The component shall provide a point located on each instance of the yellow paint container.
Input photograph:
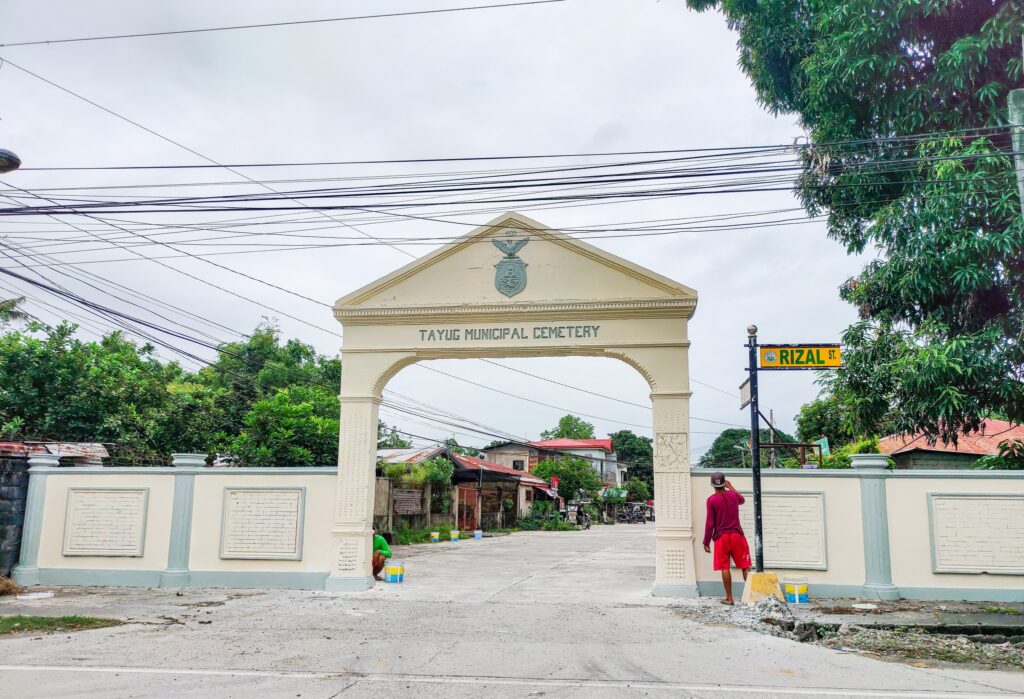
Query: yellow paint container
(394, 572)
(795, 590)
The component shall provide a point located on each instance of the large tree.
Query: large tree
(264, 401)
(570, 427)
(637, 452)
(903, 103)
(576, 477)
(731, 449)
(823, 417)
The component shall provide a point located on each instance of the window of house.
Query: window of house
(518, 464)
(529, 495)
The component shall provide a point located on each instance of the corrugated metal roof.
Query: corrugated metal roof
(474, 464)
(408, 455)
(605, 444)
(88, 450)
(981, 443)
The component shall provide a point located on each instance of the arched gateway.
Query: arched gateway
(514, 288)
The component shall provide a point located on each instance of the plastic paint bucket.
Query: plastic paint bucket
(435, 537)
(394, 571)
(795, 590)
(478, 534)
(453, 535)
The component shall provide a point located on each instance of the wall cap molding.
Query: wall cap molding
(857, 473)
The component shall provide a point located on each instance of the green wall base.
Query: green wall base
(663, 590)
(714, 588)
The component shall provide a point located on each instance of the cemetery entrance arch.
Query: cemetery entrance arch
(515, 288)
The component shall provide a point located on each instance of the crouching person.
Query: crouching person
(381, 553)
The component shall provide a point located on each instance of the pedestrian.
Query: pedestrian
(723, 527)
(381, 553)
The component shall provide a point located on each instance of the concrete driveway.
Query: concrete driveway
(529, 615)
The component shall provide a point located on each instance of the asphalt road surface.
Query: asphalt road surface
(565, 614)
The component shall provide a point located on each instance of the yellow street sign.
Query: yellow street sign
(799, 356)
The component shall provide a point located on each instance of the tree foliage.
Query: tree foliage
(570, 427)
(636, 451)
(389, 438)
(823, 417)
(731, 449)
(938, 346)
(637, 490)
(576, 478)
(264, 401)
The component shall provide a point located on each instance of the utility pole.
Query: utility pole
(755, 449)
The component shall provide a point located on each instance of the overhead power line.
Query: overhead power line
(267, 25)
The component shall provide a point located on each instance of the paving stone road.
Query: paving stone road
(564, 614)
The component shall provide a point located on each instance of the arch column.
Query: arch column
(675, 572)
(362, 378)
(666, 368)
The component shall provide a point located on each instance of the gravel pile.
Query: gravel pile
(919, 645)
(773, 617)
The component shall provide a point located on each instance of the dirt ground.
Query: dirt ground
(924, 634)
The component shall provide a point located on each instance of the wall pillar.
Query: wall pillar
(177, 573)
(873, 470)
(27, 570)
(675, 572)
(351, 564)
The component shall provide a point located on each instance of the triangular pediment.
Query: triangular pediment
(550, 268)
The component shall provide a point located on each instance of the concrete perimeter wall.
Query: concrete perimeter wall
(861, 532)
(883, 534)
(186, 526)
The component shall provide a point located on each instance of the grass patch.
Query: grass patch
(1003, 610)
(18, 624)
(404, 536)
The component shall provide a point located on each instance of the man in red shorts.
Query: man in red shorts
(723, 526)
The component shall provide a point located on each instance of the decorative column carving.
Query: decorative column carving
(675, 571)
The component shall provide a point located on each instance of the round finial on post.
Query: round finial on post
(751, 330)
(9, 162)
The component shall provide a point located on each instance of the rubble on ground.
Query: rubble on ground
(834, 624)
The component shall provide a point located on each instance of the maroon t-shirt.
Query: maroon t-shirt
(723, 515)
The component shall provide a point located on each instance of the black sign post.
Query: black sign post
(755, 449)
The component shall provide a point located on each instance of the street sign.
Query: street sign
(776, 357)
(823, 443)
(745, 394)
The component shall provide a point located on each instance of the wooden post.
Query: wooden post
(391, 506)
(427, 500)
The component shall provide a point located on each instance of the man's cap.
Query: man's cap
(717, 479)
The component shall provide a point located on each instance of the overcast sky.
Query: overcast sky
(579, 76)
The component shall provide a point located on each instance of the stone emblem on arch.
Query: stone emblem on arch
(510, 272)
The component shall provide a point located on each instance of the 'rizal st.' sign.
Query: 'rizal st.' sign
(809, 356)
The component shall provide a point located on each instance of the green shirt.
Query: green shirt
(381, 544)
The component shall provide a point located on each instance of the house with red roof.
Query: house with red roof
(485, 495)
(914, 451)
(524, 456)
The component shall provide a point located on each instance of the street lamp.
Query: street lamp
(8, 161)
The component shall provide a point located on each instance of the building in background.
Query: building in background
(915, 451)
(524, 456)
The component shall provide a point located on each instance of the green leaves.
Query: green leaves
(576, 478)
(570, 427)
(941, 342)
(270, 404)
